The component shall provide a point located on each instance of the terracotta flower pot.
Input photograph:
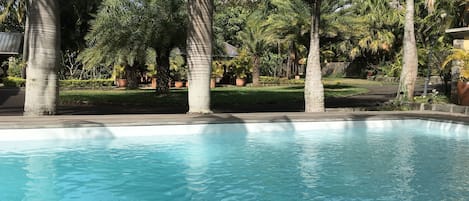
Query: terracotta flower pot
(463, 93)
(178, 84)
(213, 83)
(121, 83)
(153, 83)
(240, 82)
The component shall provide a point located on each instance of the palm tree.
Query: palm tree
(199, 54)
(314, 89)
(255, 39)
(410, 60)
(291, 23)
(156, 25)
(44, 47)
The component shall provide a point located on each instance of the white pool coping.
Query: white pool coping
(109, 127)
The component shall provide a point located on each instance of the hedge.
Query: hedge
(279, 81)
(86, 84)
(14, 82)
(68, 84)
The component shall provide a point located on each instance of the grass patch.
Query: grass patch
(351, 82)
(224, 98)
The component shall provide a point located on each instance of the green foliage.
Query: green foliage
(229, 19)
(434, 99)
(86, 84)
(218, 68)
(15, 67)
(14, 82)
(119, 71)
(124, 31)
(241, 66)
(178, 68)
(12, 15)
(267, 80)
(65, 84)
(460, 56)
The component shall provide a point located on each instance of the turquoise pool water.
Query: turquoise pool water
(358, 161)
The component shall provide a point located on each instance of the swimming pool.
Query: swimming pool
(337, 160)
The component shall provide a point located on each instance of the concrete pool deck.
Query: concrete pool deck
(20, 122)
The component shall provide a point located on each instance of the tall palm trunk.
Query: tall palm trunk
(314, 90)
(162, 69)
(44, 47)
(256, 72)
(410, 60)
(199, 54)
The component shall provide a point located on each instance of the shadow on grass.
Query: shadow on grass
(231, 99)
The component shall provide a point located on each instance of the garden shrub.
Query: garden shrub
(86, 84)
(66, 84)
(15, 67)
(14, 82)
(280, 81)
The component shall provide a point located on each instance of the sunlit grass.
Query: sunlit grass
(221, 97)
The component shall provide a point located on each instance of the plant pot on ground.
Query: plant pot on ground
(240, 82)
(178, 84)
(120, 76)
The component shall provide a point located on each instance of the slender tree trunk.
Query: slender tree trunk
(255, 70)
(314, 90)
(44, 48)
(289, 63)
(25, 41)
(162, 69)
(410, 60)
(199, 54)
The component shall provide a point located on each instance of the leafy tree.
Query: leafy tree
(256, 38)
(291, 23)
(12, 15)
(124, 31)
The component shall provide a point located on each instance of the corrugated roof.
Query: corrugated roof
(10, 43)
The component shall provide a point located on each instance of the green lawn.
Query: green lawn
(224, 98)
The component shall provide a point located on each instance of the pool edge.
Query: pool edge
(19, 122)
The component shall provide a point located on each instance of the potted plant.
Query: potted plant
(178, 72)
(120, 76)
(218, 69)
(241, 66)
(151, 73)
(460, 58)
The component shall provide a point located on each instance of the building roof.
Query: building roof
(10, 43)
(458, 33)
(230, 50)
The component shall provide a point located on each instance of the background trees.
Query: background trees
(125, 31)
(274, 33)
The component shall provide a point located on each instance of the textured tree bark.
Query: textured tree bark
(314, 89)
(255, 70)
(199, 54)
(410, 60)
(131, 75)
(162, 72)
(44, 47)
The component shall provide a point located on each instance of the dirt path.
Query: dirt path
(376, 96)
